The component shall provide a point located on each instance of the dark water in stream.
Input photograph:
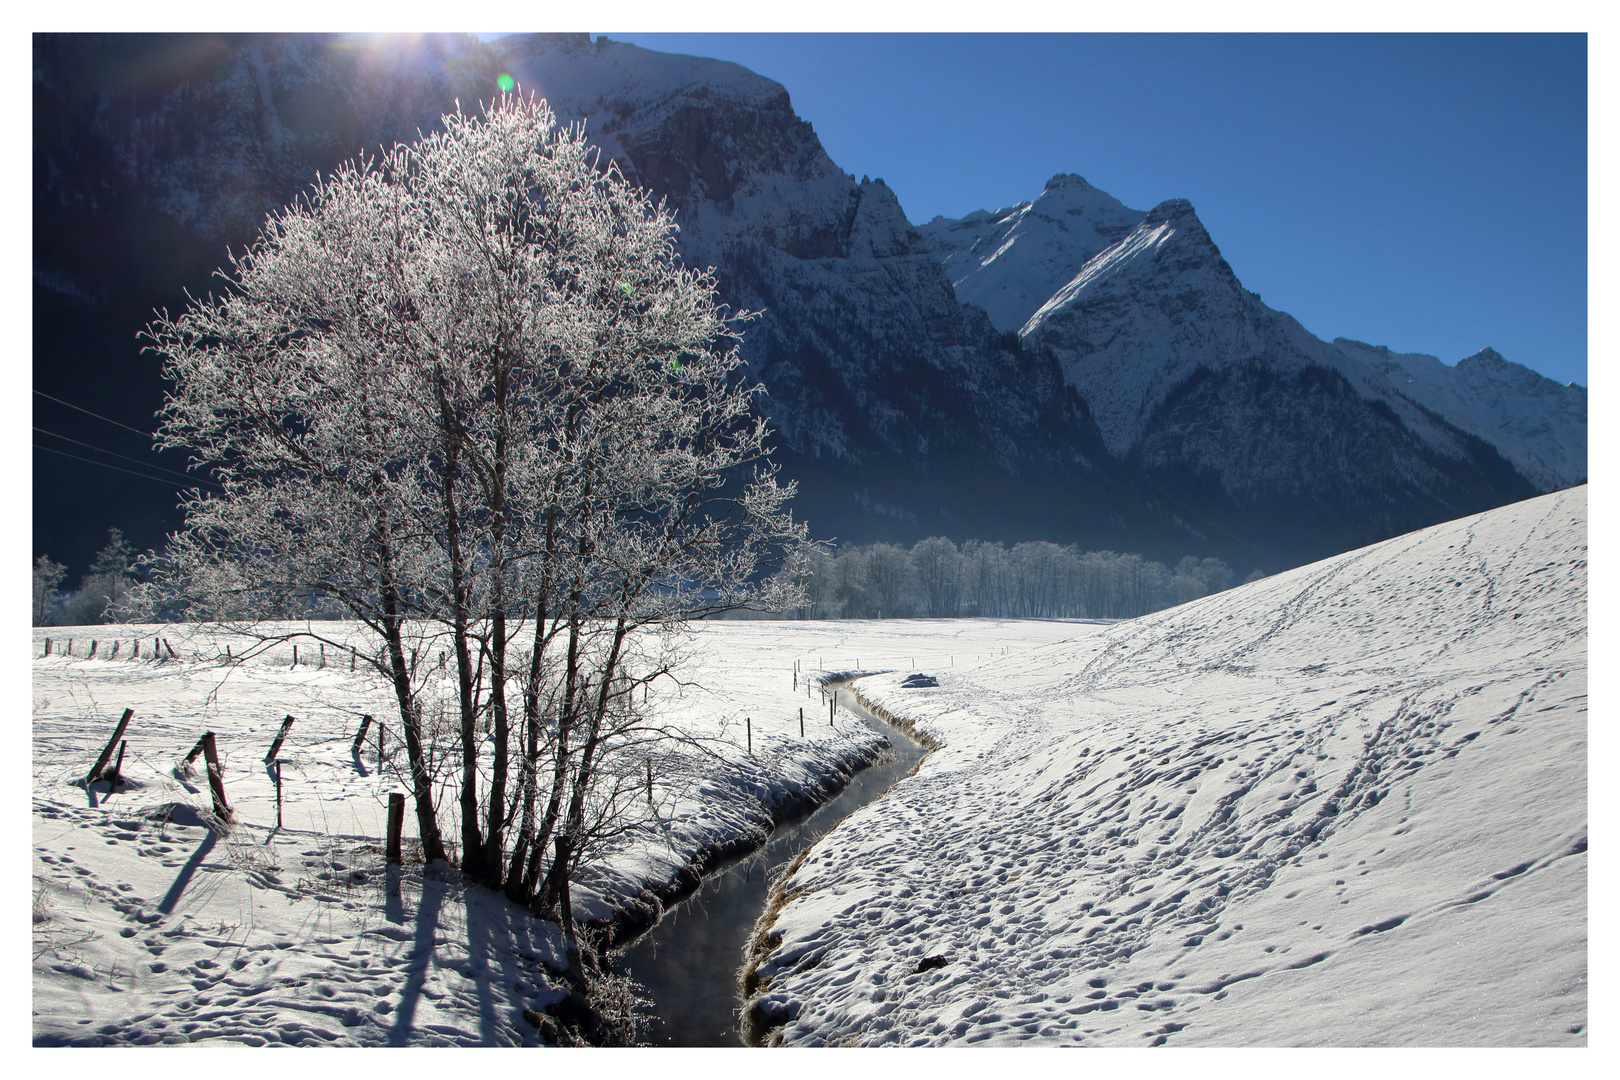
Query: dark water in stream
(689, 961)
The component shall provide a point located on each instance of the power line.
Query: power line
(104, 465)
(125, 457)
(98, 416)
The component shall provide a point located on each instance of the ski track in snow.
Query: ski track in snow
(151, 928)
(1345, 805)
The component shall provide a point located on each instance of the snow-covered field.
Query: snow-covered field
(1345, 805)
(149, 927)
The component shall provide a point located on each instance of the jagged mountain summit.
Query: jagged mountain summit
(1007, 261)
(1142, 317)
(903, 405)
(1538, 424)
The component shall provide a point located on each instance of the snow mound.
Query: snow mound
(1344, 805)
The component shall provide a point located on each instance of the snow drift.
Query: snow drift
(1345, 805)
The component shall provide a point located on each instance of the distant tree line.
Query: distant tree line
(933, 579)
(1041, 580)
(101, 590)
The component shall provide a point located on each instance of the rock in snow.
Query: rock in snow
(1345, 805)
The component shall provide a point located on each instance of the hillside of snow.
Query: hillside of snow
(1343, 805)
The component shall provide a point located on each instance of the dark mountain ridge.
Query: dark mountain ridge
(902, 411)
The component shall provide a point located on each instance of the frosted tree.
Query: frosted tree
(468, 392)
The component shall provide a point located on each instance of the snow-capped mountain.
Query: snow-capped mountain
(1008, 261)
(1538, 424)
(904, 408)
(1137, 319)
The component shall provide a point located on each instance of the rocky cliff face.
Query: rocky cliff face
(903, 409)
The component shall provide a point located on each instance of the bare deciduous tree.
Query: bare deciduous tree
(468, 392)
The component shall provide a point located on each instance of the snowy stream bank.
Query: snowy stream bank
(689, 961)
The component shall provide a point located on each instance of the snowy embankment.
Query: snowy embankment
(1345, 805)
(150, 926)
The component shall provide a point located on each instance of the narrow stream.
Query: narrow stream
(689, 961)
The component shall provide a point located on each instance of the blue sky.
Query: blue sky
(1425, 192)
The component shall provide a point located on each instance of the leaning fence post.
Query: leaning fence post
(396, 825)
(275, 747)
(216, 777)
(118, 766)
(360, 736)
(106, 753)
(195, 750)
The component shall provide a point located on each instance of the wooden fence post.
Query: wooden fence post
(93, 644)
(749, 720)
(47, 646)
(216, 777)
(352, 655)
(380, 731)
(118, 766)
(114, 655)
(281, 736)
(106, 753)
(278, 793)
(396, 825)
(170, 646)
(830, 706)
(801, 721)
(360, 736)
(195, 750)
(323, 654)
(295, 656)
(136, 645)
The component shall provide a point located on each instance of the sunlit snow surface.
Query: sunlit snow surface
(148, 928)
(1345, 805)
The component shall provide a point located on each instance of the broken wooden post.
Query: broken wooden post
(396, 825)
(281, 736)
(278, 792)
(360, 736)
(106, 753)
(216, 777)
(195, 750)
(118, 766)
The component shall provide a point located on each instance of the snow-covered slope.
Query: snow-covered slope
(1010, 261)
(1345, 805)
(1538, 424)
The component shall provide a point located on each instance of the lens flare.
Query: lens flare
(505, 82)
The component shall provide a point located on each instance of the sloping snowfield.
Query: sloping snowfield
(152, 927)
(1345, 805)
